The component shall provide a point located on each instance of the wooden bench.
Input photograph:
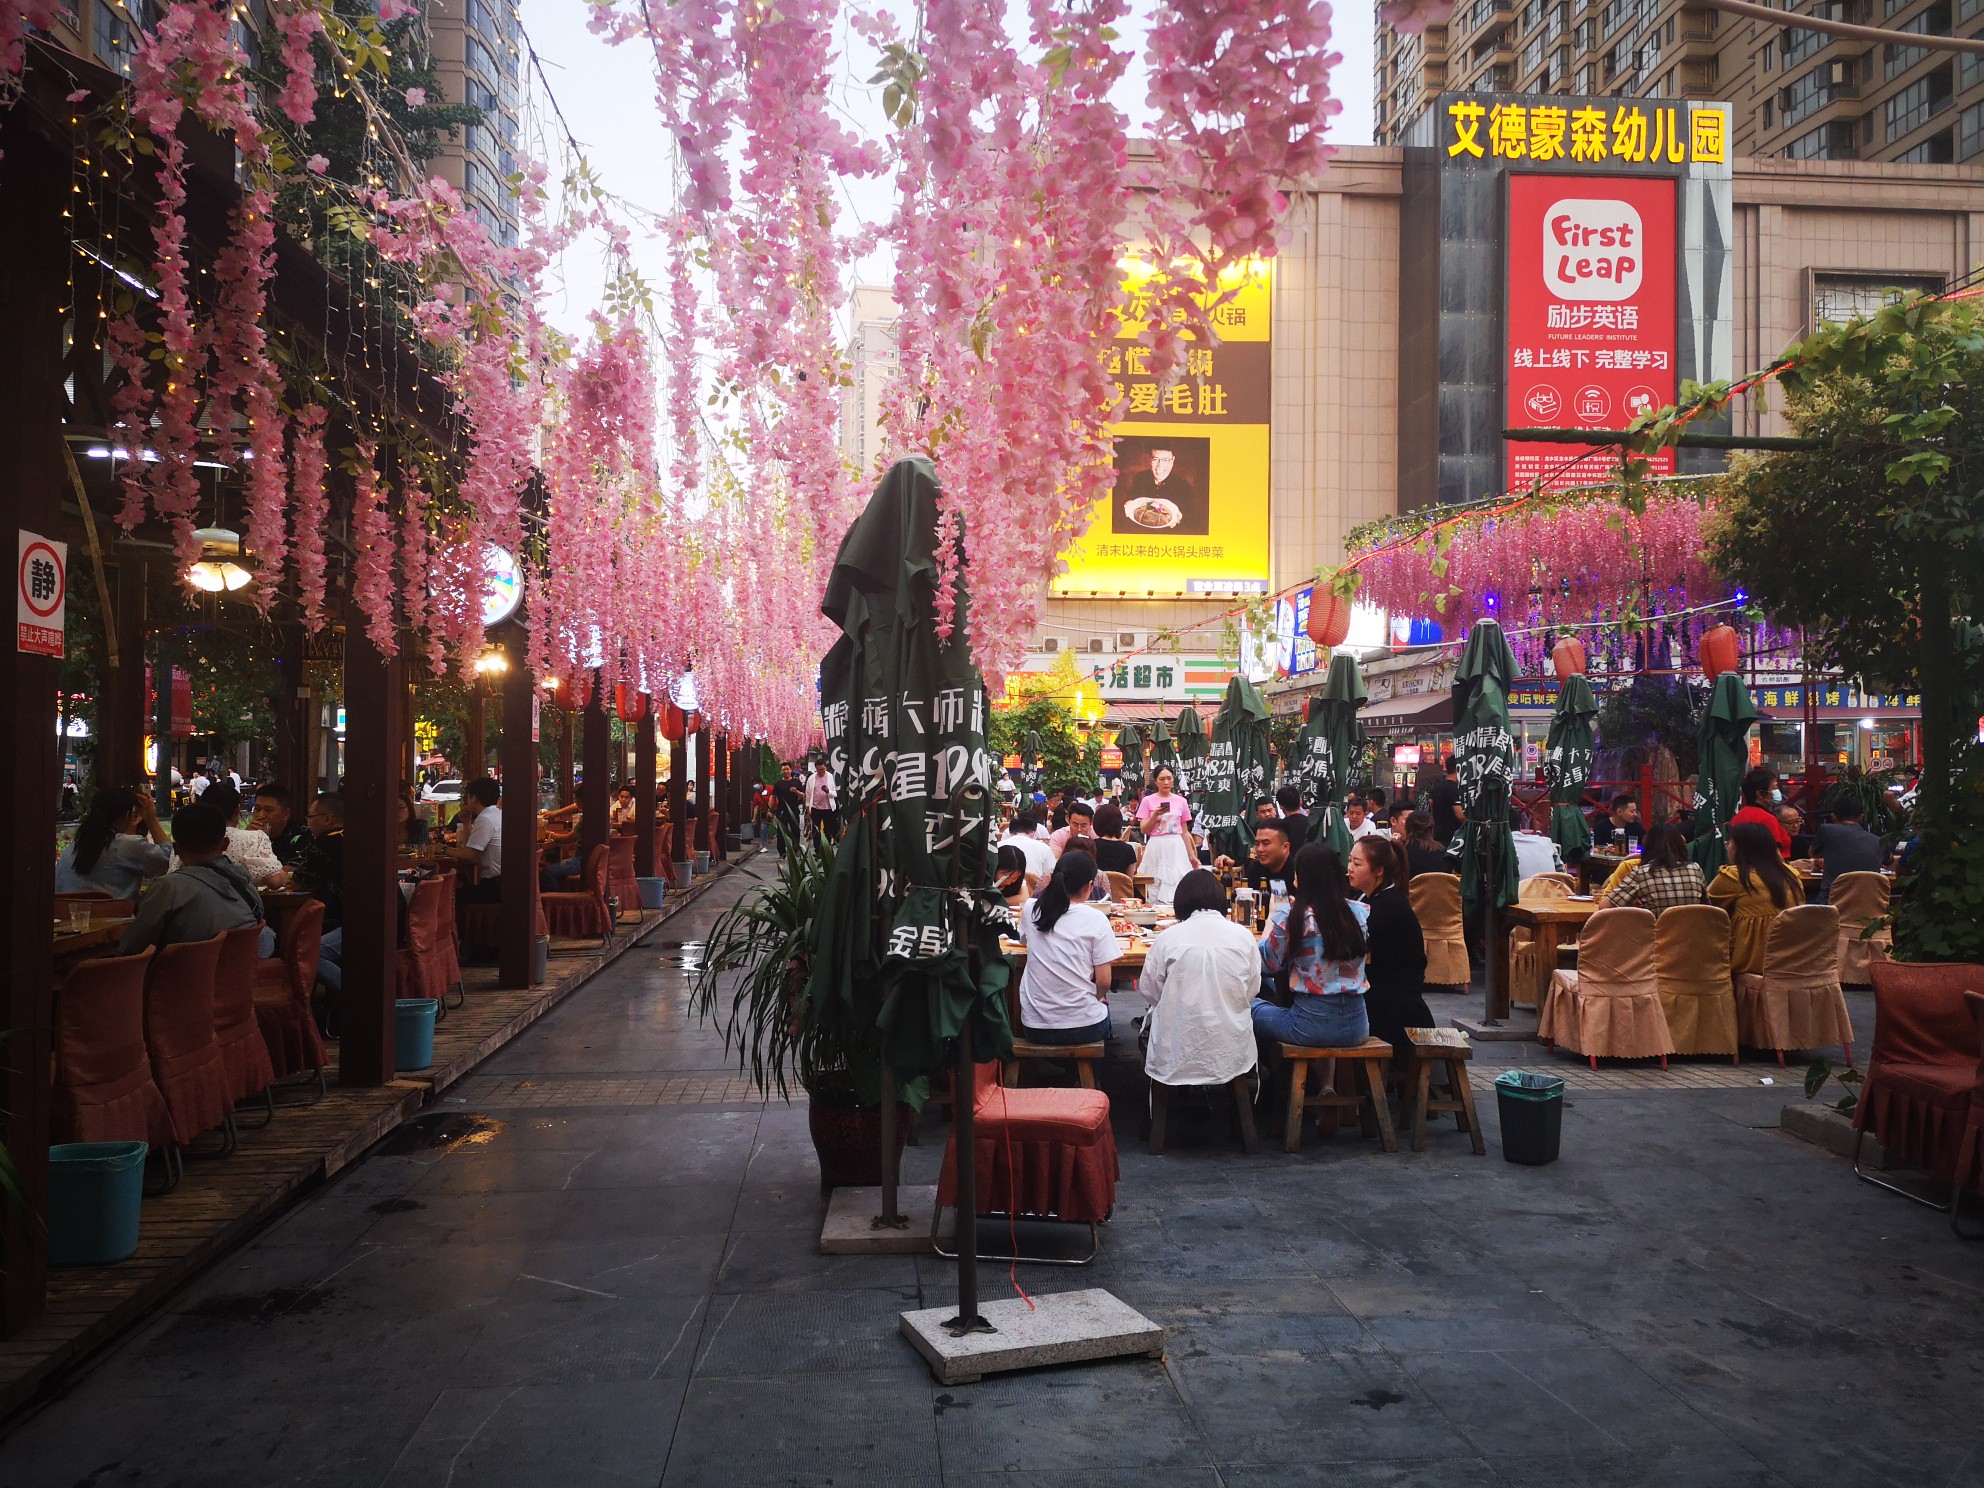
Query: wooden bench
(1449, 1048)
(1374, 1114)
(1243, 1105)
(1085, 1057)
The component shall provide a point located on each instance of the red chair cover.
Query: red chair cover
(584, 912)
(236, 1028)
(1970, 1153)
(451, 961)
(482, 924)
(1920, 1099)
(104, 1090)
(179, 1036)
(283, 986)
(1041, 1153)
(423, 969)
(620, 873)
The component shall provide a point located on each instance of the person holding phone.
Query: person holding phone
(1170, 852)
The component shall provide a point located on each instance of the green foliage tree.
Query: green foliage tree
(1652, 712)
(1873, 539)
(1044, 703)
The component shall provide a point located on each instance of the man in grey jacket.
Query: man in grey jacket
(208, 894)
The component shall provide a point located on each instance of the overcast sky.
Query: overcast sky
(606, 95)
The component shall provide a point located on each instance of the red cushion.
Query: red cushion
(1076, 1117)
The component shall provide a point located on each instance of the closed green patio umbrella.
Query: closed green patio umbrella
(1723, 741)
(1567, 765)
(1163, 751)
(1032, 772)
(1131, 741)
(1485, 758)
(1192, 745)
(1326, 750)
(1236, 768)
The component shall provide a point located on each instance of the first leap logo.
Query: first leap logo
(1593, 250)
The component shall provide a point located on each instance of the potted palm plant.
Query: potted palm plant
(752, 985)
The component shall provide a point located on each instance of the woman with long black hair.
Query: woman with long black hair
(1070, 950)
(118, 846)
(1315, 950)
(1395, 970)
(1753, 886)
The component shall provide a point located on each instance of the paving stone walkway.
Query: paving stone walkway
(599, 1266)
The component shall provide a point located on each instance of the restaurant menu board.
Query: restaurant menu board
(1187, 512)
(1591, 316)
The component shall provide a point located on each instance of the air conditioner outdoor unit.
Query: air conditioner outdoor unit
(1050, 644)
(1129, 640)
(1097, 645)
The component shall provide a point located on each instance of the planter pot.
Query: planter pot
(848, 1141)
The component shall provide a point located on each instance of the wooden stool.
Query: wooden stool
(1374, 1114)
(1243, 1105)
(1085, 1057)
(1449, 1048)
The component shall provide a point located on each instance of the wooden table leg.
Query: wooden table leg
(1298, 1080)
(1243, 1103)
(1422, 1079)
(1374, 1077)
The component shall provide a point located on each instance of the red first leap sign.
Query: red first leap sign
(41, 594)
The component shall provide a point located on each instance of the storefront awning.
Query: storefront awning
(1428, 713)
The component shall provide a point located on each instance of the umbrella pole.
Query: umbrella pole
(962, 1091)
(1497, 1003)
(889, 1218)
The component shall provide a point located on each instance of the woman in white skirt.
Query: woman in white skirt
(1170, 852)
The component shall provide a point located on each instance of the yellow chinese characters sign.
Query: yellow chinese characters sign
(1587, 133)
(1187, 513)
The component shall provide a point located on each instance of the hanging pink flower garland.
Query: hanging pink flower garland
(372, 536)
(309, 512)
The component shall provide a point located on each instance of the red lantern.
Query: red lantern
(635, 708)
(1718, 652)
(1567, 658)
(671, 723)
(622, 695)
(1329, 618)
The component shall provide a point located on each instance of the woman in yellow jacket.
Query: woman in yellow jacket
(1753, 888)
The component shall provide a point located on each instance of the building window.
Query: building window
(480, 57)
(1914, 105)
(1767, 114)
(1937, 149)
(1970, 131)
(1585, 80)
(1795, 44)
(1935, 21)
(1840, 297)
(1830, 141)
(1824, 84)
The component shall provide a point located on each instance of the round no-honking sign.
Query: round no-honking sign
(41, 595)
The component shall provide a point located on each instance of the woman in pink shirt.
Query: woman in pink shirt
(1169, 851)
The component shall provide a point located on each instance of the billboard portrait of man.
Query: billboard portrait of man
(1161, 483)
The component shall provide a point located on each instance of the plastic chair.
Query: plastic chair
(584, 912)
(1691, 971)
(1919, 1100)
(283, 986)
(1039, 1154)
(104, 1090)
(1436, 901)
(179, 1037)
(1860, 898)
(1796, 1002)
(249, 1070)
(620, 881)
(1609, 1008)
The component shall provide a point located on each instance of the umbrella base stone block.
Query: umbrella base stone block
(1064, 1328)
(1518, 1027)
(850, 1228)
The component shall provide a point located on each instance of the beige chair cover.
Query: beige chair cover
(1860, 899)
(1121, 889)
(1609, 1008)
(1691, 969)
(1795, 1002)
(1436, 901)
(1546, 886)
(1529, 978)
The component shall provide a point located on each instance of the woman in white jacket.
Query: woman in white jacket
(1200, 978)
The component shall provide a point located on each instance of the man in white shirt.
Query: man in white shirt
(481, 843)
(197, 786)
(1023, 834)
(1358, 819)
(820, 801)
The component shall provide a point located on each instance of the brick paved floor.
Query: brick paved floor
(601, 1268)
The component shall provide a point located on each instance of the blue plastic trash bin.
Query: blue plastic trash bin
(413, 1042)
(94, 1193)
(651, 891)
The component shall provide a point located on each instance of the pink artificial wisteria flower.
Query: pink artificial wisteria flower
(317, 165)
(415, 97)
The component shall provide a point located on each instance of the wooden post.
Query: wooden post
(410, 754)
(162, 739)
(644, 812)
(596, 793)
(120, 750)
(516, 942)
(34, 190)
(566, 792)
(722, 820)
(477, 726)
(703, 790)
(291, 724)
(678, 807)
(374, 694)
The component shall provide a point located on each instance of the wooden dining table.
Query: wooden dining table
(1131, 959)
(70, 944)
(1547, 920)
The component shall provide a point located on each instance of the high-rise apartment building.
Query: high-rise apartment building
(1800, 94)
(477, 48)
(873, 362)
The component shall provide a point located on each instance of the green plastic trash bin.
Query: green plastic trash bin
(1532, 1111)
(413, 1033)
(94, 1193)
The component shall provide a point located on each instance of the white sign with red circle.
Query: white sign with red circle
(41, 594)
